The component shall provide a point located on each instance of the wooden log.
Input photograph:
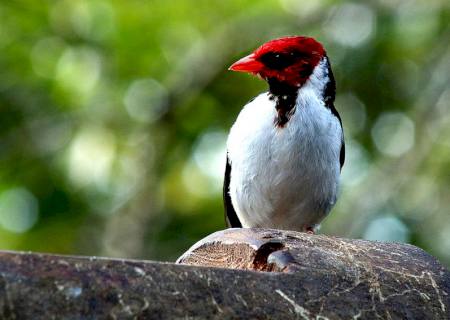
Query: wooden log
(337, 278)
(318, 278)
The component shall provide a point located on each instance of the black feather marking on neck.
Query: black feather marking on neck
(329, 94)
(285, 97)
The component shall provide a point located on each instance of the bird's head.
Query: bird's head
(287, 60)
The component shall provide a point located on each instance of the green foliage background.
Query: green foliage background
(114, 116)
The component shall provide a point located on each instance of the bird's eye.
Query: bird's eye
(277, 60)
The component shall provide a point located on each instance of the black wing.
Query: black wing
(329, 95)
(342, 155)
(231, 217)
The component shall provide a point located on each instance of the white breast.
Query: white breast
(288, 177)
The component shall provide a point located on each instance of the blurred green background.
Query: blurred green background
(114, 117)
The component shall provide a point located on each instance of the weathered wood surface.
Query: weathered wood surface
(336, 278)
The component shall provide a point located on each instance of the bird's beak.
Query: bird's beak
(247, 64)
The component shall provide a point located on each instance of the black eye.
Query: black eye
(277, 60)
(282, 60)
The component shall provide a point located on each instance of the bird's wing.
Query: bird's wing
(329, 95)
(342, 154)
(231, 217)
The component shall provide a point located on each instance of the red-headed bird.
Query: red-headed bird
(286, 149)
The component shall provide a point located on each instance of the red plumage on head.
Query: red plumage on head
(286, 44)
(288, 59)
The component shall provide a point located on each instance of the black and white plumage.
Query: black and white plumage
(286, 148)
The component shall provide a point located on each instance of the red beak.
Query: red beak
(247, 64)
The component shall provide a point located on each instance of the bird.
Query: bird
(286, 149)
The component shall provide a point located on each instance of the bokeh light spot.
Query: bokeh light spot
(91, 154)
(302, 8)
(210, 153)
(415, 22)
(393, 133)
(146, 100)
(78, 70)
(94, 19)
(387, 228)
(203, 175)
(18, 210)
(45, 54)
(350, 24)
